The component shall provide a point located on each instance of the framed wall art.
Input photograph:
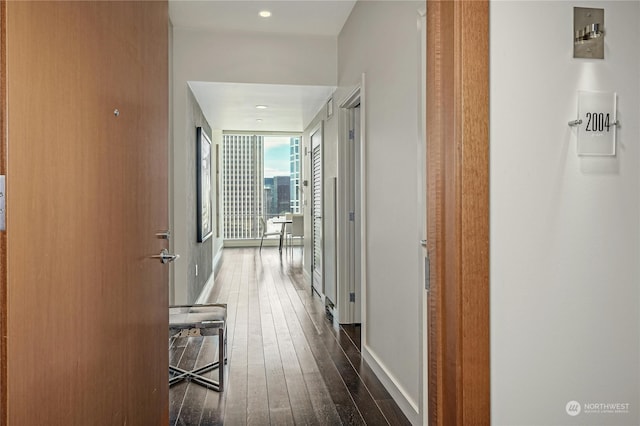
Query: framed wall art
(203, 179)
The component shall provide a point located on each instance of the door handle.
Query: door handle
(165, 257)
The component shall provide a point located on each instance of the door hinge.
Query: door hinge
(352, 297)
(427, 273)
(352, 216)
(351, 135)
(3, 204)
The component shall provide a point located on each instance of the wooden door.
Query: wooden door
(458, 211)
(86, 308)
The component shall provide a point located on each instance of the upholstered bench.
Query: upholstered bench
(200, 320)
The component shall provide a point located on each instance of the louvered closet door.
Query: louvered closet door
(316, 178)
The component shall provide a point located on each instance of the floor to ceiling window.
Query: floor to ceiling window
(261, 179)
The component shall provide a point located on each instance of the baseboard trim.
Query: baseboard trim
(217, 262)
(399, 395)
(208, 286)
(307, 276)
(268, 242)
(206, 291)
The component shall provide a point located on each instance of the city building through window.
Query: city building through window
(261, 179)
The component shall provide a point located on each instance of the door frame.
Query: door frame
(458, 211)
(347, 312)
(422, 211)
(3, 234)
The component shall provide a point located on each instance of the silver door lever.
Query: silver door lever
(165, 257)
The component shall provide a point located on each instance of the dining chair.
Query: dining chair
(287, 229)
(297, 228)
(265, 233)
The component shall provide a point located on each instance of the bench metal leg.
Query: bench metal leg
(222, 350)
(195, 375)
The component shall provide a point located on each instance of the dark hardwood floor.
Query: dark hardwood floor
(287, 364)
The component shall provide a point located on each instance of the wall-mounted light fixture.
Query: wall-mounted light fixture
(588, 33)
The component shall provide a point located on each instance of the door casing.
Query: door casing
(3, 235)
(458, 211)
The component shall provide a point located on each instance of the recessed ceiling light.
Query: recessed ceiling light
(261, 106)
(265, 13)
(259, 120)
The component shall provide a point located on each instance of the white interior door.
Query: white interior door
(316, 208)
(355, 231)
(351, 256)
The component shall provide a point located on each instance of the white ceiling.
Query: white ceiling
(311, 17)
(231, 106)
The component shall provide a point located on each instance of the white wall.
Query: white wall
(170, 192)
(233, 58)
(564, 230)
(381, 40)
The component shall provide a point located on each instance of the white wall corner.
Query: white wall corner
(401, 397)
(179, 201)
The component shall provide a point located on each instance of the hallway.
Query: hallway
(287, 364)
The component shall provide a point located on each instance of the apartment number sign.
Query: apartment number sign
(596, 123)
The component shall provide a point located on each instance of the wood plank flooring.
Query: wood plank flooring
(287, 364)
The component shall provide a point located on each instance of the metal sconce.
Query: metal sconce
(587, 33)
(588, 38)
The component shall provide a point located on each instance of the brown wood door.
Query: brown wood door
(86, 309)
